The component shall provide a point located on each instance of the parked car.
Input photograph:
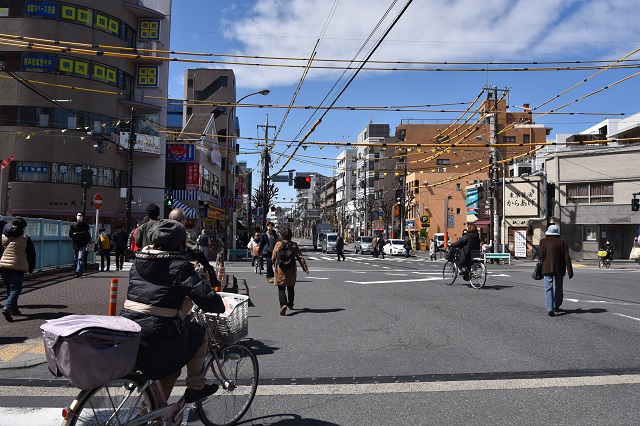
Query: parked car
(363, 244)
(328, 244)
(394, 247)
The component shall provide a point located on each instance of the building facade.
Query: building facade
(81, 117)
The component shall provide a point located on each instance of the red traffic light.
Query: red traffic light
(302, 182)
(307, 179)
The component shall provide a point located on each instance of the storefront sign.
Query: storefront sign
(181, 153)
(520, 243)
(193, 176)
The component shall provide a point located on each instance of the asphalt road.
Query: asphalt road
(384, 341)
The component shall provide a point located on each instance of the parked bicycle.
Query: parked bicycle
(136, 400)
(476, 274)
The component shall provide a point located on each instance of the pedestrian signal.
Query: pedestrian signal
(635, 204)
(168, 199)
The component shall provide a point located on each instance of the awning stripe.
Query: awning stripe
(190, 212)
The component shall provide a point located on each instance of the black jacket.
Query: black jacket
(119, 240)
(164, 279)
(468, 242)
(79, 234)
(265, 246)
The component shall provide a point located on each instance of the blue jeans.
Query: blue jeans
(80, 256)
(553, 299)
(13, 281)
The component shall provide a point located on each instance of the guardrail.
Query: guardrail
(51, 240)
(497, 256)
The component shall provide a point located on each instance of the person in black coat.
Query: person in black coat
(80, 237)
(119, 239)
(267, 243)
(159, 281)
(340, 247)
(469, 242)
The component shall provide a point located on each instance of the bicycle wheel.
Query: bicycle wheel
(449, 273)
(599, 262)
(477, 275)
(230, 403)
(607, 263)
(111, 404)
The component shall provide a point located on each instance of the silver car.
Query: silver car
(363, 244)
(329, 243)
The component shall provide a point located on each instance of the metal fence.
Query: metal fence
(52, 242)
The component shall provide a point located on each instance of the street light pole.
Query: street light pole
(231, 194)
(494, 183)
(132, 142)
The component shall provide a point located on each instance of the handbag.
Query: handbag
(537, 271)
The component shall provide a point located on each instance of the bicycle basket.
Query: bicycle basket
(232, 325)
(602, 253)
(451, 254)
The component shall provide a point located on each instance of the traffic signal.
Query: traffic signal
(168, 198)
(635, 204)
(302, 182)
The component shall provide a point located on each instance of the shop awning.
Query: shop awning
(190, 212)
(483, 223)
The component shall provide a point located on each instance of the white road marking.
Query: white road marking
(602, 302)
(452, 386)
(626, 316)
(391, 273)
(318, 278)
(394, 281)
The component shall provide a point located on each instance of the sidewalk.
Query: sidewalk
(49, 296)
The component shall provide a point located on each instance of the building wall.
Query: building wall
(73, 146)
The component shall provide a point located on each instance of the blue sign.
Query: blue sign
(41, 8)
(410, 224)
(42, 62)
(472, 201)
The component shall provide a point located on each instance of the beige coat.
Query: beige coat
(287, 277)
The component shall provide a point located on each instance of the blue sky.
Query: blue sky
(483, 33)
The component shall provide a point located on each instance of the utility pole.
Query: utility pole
(265, 173)
(493, 131)
(132, 142)
(403, 205)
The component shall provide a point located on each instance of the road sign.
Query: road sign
(280, 178)
(425, 219)
(97, 201)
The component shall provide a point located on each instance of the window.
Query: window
(526, 138)
(590, 193)
(442, 169)
(508, 139)
(443, 161)
(591, 233)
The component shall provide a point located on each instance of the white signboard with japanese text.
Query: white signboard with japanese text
(520, 243)
(522, 199)
(144, 143)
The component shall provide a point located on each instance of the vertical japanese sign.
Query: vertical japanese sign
(520, 243)
(193, 176)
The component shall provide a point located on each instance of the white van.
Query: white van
(328, 244)
(439, 237)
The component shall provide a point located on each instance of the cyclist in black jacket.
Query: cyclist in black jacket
(466, 244)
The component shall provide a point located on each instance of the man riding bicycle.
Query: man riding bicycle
(466, 244)
(160, 280)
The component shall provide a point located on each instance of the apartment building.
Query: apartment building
(65, 111)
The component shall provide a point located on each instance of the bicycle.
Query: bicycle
(136, 400)
(258, 264)
(604, 259)
(476, 275)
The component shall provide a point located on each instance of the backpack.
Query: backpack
(286, 259)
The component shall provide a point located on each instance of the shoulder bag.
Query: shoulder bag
(537, 271)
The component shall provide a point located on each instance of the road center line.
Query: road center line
(451, 386)
(394, 281)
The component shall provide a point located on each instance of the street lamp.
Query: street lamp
(494, 165)
(228, 222)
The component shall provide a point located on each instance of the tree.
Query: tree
(256, 199)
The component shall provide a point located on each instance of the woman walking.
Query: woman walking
(104, 245)
(18, 257)
(285, 254)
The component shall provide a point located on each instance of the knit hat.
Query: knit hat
(552, 230)
(168, 234)
(19, 223)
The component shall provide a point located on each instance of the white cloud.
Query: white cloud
(430, 30)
